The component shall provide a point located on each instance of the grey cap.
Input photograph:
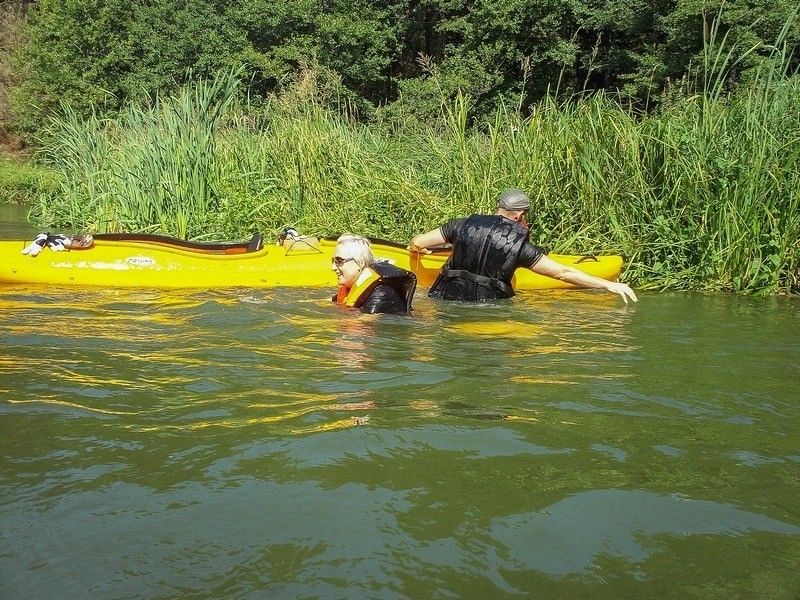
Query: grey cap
(513, 199)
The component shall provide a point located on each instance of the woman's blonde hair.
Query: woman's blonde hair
(356, 247)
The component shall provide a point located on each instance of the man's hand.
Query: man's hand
(623, 289)
(417, 249)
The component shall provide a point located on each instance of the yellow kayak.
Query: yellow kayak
(147, 261)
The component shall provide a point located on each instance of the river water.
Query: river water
(13, 222)
(266, 444)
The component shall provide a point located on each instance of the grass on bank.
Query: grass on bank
(24, 181)
(703, 195)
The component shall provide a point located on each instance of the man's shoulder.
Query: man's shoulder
(459, 220)
(493, 221)
(478, 219)
(450, 229)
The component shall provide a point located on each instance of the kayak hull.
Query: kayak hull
(302, 263)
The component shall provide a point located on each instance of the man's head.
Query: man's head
(514, 204)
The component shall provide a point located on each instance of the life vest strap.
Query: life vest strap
(358, 293)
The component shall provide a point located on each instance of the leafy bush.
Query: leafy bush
(96, 55)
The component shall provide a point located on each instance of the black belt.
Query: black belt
(480, 280)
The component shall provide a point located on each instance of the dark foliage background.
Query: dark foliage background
(384, 57)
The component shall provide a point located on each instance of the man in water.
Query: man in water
(487, 249)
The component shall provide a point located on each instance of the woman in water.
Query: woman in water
(369, 285)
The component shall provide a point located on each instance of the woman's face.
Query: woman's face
(345, 267)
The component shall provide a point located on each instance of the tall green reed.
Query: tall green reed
(152, 168)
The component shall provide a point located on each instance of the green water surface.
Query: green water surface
(266, 444)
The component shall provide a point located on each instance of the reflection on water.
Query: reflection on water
(618, 523)
(267, 443)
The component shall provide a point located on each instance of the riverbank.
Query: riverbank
(704, 195)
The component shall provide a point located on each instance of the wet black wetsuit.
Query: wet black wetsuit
(487, 249)
(384, 299)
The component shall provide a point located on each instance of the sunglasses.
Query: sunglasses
(339, 261)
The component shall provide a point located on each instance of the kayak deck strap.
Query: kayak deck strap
(255, 244)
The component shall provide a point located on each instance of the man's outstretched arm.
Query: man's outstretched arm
(547, 266)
